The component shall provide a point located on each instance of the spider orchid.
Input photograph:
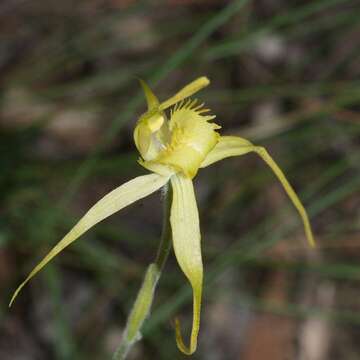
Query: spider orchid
(174, 150)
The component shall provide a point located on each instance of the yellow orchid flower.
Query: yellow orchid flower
(173, 150)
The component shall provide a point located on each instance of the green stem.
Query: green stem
(165, 242)
(142, 305)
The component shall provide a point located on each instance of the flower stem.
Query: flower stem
(142, 305)
(165, 242)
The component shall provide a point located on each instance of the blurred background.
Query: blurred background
(285, 75)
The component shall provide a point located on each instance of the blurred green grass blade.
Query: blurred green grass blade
(302, 312)
(65, 348)
(256, 243)
(324, 202)
(117, 79)
(72, 48)
(328, 270)
(200, 36)
(108, 167)
(295, 90)
(338, 22)
(232, 47)
(104, 81)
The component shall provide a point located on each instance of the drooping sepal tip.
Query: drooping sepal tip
(188, 350)
(184, 221)
(180, 342)
(228, 146)
(310, 236)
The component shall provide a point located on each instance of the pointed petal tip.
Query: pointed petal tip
(111, 203)
(228, 146)
(311, 240)
(187, 91)
(151, 99)
(14, 296)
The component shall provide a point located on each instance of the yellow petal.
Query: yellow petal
(151, 99)
(184, 221)
(117, 199)
(234, 146)
(227, 146)
(186, 92)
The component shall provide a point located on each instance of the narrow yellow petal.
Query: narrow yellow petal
(151, 99)
(186, 92)
(184, 221)
(227, 146)
(116, 200)
(234, 146)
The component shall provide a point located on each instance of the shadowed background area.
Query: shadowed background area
(284, 74)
